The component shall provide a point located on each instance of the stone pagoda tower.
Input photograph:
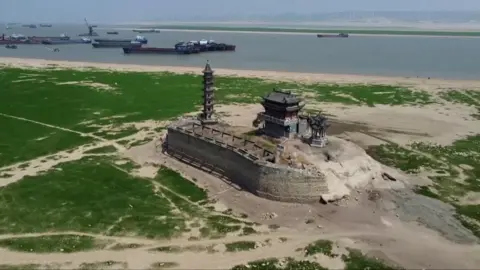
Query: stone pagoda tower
(206, 117)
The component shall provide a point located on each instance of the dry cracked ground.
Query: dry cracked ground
(117, 202)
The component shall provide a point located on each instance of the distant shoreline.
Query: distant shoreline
(298, 31)
(433, 83)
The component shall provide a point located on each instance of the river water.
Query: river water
(436, 57)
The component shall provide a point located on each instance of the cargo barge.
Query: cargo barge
(60, 37)
(128, 44)
(119, 43)
(191, 47)
(180, 49)
(17, 39)
(210, 45)
(341, 35)
(65, 42)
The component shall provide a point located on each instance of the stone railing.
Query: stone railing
(249, 148)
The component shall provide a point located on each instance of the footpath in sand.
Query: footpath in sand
(399, 227)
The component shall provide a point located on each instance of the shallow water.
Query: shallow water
(441, 57)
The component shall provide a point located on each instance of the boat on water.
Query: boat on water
(112, 33)
(45, 25)
(82, 40)
(30, 25)
(140, 39)
(17, 39)
(210, 45)
(119, 43)
(191, 47)
(60, 37)
(340, 35)
(153, 50)
(146, 30)
(11, 46)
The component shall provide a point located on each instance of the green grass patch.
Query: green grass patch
(243, 90)
(137, 97)
(406, 160)
(21, 140)
(467, 97)
(356, 260)
(324, 31)
(20, 266)
(89, 195)
(175, 182)
(102, 150)
(320, 246)
(469, 215)
(248, 230)
(274, 264)
(240, 246)
(53, 243)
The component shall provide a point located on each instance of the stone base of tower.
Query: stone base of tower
(210, 121)
(319, 142)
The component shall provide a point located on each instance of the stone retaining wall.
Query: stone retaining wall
(257, 175)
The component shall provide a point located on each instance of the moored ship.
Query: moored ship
(119, 43)
(128, 44)
(60, 37)
(29, 25)
(211, 46)
(17, 39)
(83, 40)
(340, 35)
(191, 47)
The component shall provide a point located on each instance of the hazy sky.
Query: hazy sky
(146, 10)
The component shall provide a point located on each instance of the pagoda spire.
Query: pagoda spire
(206, 117)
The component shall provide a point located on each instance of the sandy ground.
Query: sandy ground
(395, 225)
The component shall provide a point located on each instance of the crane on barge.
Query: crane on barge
(90, 33)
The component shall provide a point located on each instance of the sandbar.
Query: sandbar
(415, 82)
